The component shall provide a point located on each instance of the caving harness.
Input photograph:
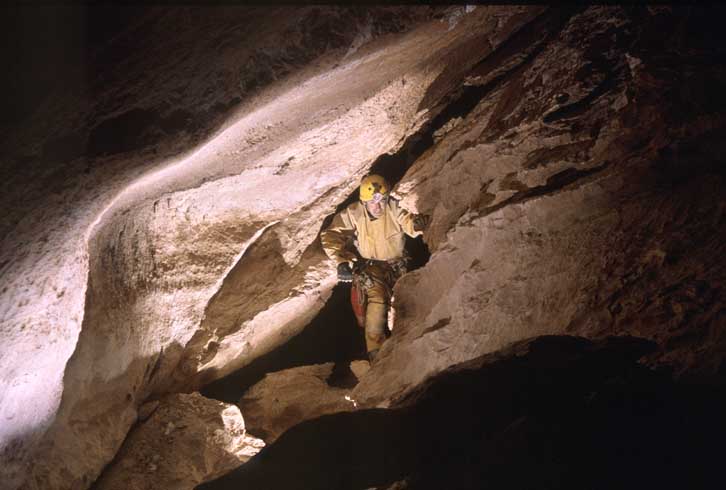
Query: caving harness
(363, 280)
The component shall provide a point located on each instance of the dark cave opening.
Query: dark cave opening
(333, 335)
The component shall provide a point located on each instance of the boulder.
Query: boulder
(187, 440)
(286, 398)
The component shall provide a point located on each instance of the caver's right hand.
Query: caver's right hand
(421, 222)
(345, 274)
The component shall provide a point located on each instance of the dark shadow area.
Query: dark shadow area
(394, 166)
(50, 45)
(418, 251)
(333, 336)
(547, 413)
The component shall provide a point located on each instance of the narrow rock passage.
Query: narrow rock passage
(157, 247)
(571, 160)
(332, 336)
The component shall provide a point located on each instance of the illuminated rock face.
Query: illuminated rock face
(162, 222)
(286, 398)
(187, 439)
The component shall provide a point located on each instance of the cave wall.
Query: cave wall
(162, 218)
(580, 193)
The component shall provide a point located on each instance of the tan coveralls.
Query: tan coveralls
(382, 241)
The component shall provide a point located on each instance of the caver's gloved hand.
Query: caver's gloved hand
(345, 274)
(421, 222)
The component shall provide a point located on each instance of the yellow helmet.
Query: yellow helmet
(373, 184)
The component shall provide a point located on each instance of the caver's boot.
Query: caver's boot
(375, 328)
(372, 355)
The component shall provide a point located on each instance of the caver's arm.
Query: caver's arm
(336, 237)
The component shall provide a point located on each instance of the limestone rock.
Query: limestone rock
(286, 398)
(188, 439)
(160, 226)
(159, 223)
(595, 213)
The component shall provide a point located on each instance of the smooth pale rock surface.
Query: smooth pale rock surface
(160, 225)
(162, 221)
(187, 440)
(286, 398)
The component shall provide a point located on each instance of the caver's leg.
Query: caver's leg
(376, 328)
(378, 293)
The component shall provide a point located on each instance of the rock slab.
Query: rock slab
(286, 398)
(188, 439)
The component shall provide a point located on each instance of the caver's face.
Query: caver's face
(376, 205)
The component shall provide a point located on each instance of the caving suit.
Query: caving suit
(380, 242)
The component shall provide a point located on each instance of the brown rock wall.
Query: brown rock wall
(127, 251)
(580, 195)
(286, 398)
(186, 440)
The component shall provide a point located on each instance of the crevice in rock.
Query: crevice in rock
(342, 376)
(332, 336)
(393, 167)
(579, 107)
(556, 183)
(571, 152)
(511, 57)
